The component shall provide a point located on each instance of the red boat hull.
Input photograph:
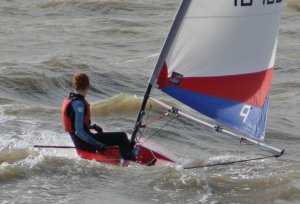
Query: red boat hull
(147, 154)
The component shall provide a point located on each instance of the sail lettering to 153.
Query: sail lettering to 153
(250, 2)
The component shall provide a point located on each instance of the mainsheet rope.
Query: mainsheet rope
(230, 163)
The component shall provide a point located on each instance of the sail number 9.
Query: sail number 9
(245, 112)
(250, 2)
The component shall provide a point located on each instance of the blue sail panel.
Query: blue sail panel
(244, 118)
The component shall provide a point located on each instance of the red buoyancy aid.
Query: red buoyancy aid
(65, 113)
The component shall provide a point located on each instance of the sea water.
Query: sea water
(43, 42)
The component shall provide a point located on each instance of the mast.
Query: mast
(159, 64)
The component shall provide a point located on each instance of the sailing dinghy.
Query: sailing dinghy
(218, 58)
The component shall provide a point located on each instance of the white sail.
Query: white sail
(221, 61)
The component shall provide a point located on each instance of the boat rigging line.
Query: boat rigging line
(232, 162)
(157, 131)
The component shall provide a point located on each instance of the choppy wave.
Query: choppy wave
(120, 104)
(31, 83)
(167, 178)
(12, 8)
(237, 182)
(293, 4)
(13, 155)
(94, 5)
(8, 157)
(91, 5)
(172, 184)
(20, 163)
(44, 81)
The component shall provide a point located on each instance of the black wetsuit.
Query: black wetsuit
(83, 138)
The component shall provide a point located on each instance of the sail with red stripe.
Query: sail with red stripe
(221, 61)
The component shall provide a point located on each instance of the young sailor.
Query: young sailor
(76, 118)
